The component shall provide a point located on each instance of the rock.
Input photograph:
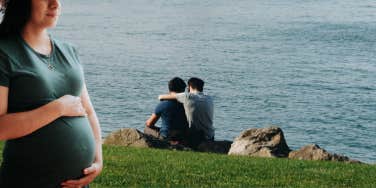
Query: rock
(314, 152)
(134, 138)
(260, 142)
(215, 146)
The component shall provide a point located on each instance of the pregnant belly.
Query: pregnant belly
(61, 149)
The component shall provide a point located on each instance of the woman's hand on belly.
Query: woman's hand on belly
(90, 174)
(71, 106)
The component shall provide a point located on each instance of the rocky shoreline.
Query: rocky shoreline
(256, 142)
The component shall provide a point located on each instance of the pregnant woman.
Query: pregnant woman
(46, 117)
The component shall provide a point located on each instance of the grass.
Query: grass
(137, 167)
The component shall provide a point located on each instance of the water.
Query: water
(306, 66)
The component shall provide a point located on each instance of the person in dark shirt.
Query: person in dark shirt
(174, 125)
(199, 109)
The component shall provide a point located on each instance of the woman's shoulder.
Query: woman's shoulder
(63, 44)
(65, 47)
(11, 47)
(8, 42)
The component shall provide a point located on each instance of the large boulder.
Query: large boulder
(260, 142)
(314, 152)
(135, 138)
(215, 146)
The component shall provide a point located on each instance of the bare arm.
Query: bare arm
(94, 123)
(170, 96)
(16, 125)
(152, 120)
(95, 169)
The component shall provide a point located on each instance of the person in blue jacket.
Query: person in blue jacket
(174, 125)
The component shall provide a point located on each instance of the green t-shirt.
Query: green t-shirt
(63, 148)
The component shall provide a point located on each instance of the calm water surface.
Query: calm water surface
(306, 66)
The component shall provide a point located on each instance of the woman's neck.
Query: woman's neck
(38, 39)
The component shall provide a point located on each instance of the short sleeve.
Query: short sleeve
(76, 54)
(4, 70)
(181, 97)
(69, 51)
(160, 108)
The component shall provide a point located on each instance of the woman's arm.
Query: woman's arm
(94, 122)
(16, 125)
(95, 169)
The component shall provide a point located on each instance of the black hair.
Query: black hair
(196, 83)
(16, 14)
(177, 85)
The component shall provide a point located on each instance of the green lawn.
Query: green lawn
(134, 167)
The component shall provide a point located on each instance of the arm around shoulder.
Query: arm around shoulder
(170, 96)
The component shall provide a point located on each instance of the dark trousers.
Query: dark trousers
(180, 136)
(196, 137)
(153, 131)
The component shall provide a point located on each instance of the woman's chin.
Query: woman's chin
(51, 25)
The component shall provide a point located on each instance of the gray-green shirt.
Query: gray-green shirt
(61, 149)
(199, 111)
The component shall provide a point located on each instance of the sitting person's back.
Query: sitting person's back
(174, 122)
(199, 111)
(174, 125)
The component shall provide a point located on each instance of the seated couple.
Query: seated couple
(187, 118)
